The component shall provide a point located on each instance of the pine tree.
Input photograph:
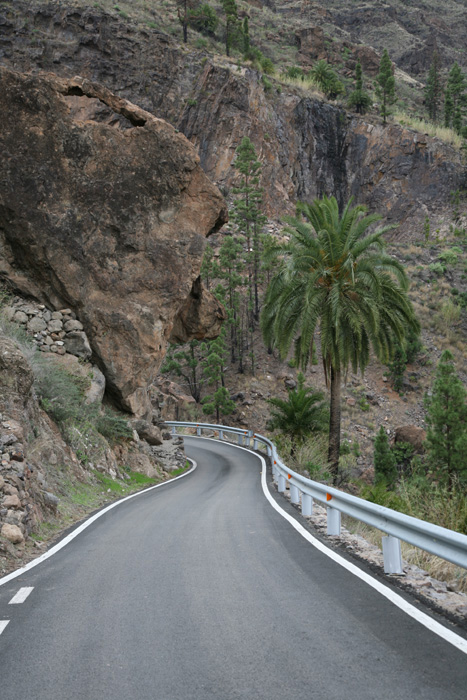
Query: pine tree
(207, 266)
(184, 361)
(397, 368)
(204, 19)
(457, 120)
(447, 422)
(359, 99)
(232, 25)
(184, 7)
(448, 108)
(246, 36)
(385, 85)
(433, 89)
(219, 403)
(384, 460)
(247, 215)
(215, 353)
(229, 270)
(456, 85)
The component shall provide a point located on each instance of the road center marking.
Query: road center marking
(3, 624)
(21, 596)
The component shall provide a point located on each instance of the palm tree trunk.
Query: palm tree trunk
(335, 424)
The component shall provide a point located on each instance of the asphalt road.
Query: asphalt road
(199, 590)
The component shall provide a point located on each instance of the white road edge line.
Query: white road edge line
(3, 624)
(421, 617)
(83, 526)
(21, 596)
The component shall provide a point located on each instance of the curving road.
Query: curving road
(200, 590)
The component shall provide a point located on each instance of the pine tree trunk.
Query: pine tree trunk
(335, 424)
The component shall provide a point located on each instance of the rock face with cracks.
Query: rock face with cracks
(110, 222)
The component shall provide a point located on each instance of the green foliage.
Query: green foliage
(403, 454)
(267, 65)
(448, 108)
(303, 413)
(230, 271)
(413, 345)
(266, 84)
(84, 426)
(449, 257)
(426, 229)
(359, 99)
(384, 460)
(437, 268)
(447, 422)
(207, 266)
(219, 403)
(397, 367)
(61, 394)
(456, 85)
(433, 89)
(248, 216)
(184, 361)
(379, 493)
(385, 85)
(112, 425)
(333, 273)
(215, 353)
(294, 72)
(233, 28)
(204, 19)
(327, 79)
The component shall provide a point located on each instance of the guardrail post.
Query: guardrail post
(392, 555)
(240, 439)
(307, 504)
(334, 521)
(198, 430)
(275, 472)
(174, 430)
(294, 494)
(269, 451)
(255, 443)
(221, 434)
(281, 483)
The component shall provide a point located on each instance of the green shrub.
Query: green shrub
(267, 65)
(437, 268)
(294, 72)
(266, 84)
(449, 257)
(204, 19)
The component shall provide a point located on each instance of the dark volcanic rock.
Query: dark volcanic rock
(109, 222)
(307, 147)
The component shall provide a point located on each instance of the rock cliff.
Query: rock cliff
(110, 222)
(308, 147)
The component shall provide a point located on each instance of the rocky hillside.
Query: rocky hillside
(308, 147)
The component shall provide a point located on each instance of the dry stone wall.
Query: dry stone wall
(57, 332)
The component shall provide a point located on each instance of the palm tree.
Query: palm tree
(335, 274)
(300, 415)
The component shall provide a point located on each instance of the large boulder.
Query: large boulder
(412, 435)
(106, 220)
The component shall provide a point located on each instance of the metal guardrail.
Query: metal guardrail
(444, 543)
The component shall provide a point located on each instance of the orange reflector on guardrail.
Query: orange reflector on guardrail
(328, 497)
(289, 476)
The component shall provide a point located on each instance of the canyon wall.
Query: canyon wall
(308, 147)
(109, 222)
